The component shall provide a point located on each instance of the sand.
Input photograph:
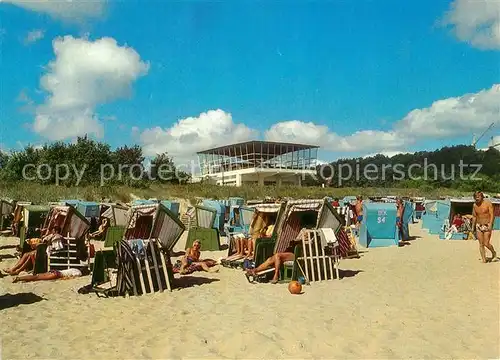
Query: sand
(431, 299)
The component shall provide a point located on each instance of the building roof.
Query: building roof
(244, 148)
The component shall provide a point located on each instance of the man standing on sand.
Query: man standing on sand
(359, 209)
(399, 217)
(482, 223)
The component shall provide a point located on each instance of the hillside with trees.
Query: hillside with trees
(463, 168)
(85, 163)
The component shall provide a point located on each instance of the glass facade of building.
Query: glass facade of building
(258, 155)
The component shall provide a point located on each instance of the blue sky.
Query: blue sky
(355, 78)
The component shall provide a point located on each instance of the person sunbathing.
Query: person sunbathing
(53, 275)
(245, 246)
(192, 258)
(27, 260)
(267, 232)
(100, 234)
(275, 261)
(455, 226)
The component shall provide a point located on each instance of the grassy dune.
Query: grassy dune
(44, 193)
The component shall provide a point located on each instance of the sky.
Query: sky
(356, 78)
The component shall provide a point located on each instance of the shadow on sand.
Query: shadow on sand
(5, 247)
(12, 300)
(7, 256)
(187, 281)
(348, 273)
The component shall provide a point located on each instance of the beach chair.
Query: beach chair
(116, 213)
(89, 209)
(6, 209)
(249, 223)
(17, 220)
(299, 214)
(33, 219)
(143, 255)
(264, 215)
(173, 206)
(348, 244)
(158, 230)
(105, 258)
(141, 270)
(204, 229)
(75, 226)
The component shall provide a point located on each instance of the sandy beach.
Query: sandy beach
(431, 299)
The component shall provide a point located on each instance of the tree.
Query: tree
(164, 170)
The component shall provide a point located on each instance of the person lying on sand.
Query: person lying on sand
(192, 258)
(28, 259)
(274, 261)
(53, 275)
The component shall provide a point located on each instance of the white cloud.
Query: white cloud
(443, 119)
(309, 133)
(33, 36)
(83, 75)
(69, 10)
(453, 116)
(476, 22)
(210, 129)
(448, 118)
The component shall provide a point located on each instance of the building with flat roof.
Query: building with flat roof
(258, 162)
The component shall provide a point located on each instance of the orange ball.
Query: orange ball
(294, 287)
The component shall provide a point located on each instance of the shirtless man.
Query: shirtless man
(359, 209)
(482, 222)
(399, 214)
(399, 217)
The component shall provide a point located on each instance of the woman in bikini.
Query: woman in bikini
(192, 258)
(28, 259)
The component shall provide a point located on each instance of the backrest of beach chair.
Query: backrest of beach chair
(246, 216)
(6, 207)
(35, 215)
(168, 228)
(140, 222)
(117, 215)
(78, 225)
(292, 221)
(205, 216)
(88, 209)
(127, 271)
(261, 217)
(330, 218)
(114, 234)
